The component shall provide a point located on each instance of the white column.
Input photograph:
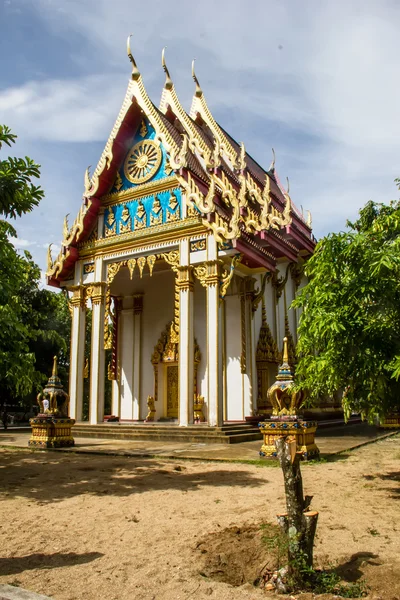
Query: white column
(184, 283)
(214, 336)
(96, 403)
(249, 391)
(186, 346)
(137, 353)
(77, 352)
(115, 390)
(214, 354)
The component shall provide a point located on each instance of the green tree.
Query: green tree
(349, 327)
(31, 330)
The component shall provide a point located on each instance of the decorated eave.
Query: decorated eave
(243, 205)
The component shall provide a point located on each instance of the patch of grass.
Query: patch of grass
(276, 542)
(315, 461)
(373, 532)
(329, 582)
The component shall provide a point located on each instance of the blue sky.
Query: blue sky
(318, 81)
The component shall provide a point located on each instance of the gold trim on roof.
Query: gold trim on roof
(149, 188)
(133, 240)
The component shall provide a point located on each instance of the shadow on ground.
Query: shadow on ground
(392, 476)
(49, 478)
(351, 569)
(19, 564)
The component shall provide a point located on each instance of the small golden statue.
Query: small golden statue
(151, 410)
(198, 409)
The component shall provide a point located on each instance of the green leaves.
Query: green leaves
(18, 194)
(348, 333)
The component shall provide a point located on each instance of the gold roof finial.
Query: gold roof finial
(87, 182)
(54, 372)
(288, 186)
(66, 227)
(135, 70)
(241, 162)
(272, 165)
(199, 91)
(168, 81)
(49, 259)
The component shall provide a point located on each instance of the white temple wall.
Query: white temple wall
(234, 378)
(290, 295)
(158, 310)
(126, 361)
(270, 309)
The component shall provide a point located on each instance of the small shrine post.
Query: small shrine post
(286, 420)
(51, 428)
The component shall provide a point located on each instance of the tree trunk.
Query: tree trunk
(299, 524)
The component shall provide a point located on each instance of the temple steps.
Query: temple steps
(227, 434)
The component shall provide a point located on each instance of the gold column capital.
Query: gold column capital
(78, 296)
(184, 277)
(96, 292)
(208, 273)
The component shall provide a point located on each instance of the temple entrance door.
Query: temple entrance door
(172, 390)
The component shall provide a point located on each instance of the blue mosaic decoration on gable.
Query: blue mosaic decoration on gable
(133, 215)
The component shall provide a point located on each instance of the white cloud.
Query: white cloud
(21, 243)
(77, 110)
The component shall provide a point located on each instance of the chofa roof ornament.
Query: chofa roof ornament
(168, 81)
(135, 70)
(199, 91)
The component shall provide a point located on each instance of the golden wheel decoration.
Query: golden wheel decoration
(143, 161)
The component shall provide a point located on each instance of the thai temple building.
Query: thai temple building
(183, 260)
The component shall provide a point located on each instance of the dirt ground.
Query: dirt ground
(113, 528)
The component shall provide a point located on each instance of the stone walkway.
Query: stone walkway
(330, 441)
(10, 592)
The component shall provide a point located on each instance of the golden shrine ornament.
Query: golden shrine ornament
(143, 161)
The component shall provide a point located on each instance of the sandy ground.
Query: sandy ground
(100, 527)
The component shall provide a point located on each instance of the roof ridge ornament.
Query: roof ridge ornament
(241, 158)
(87, 181)
(199, 91)
(168, 81)
(272, 165)
(135, 70)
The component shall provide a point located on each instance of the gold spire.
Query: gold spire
(168, 81)
(199, 91)
(285, 351)
(54, 372)
(263, 312)
(135, 70)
